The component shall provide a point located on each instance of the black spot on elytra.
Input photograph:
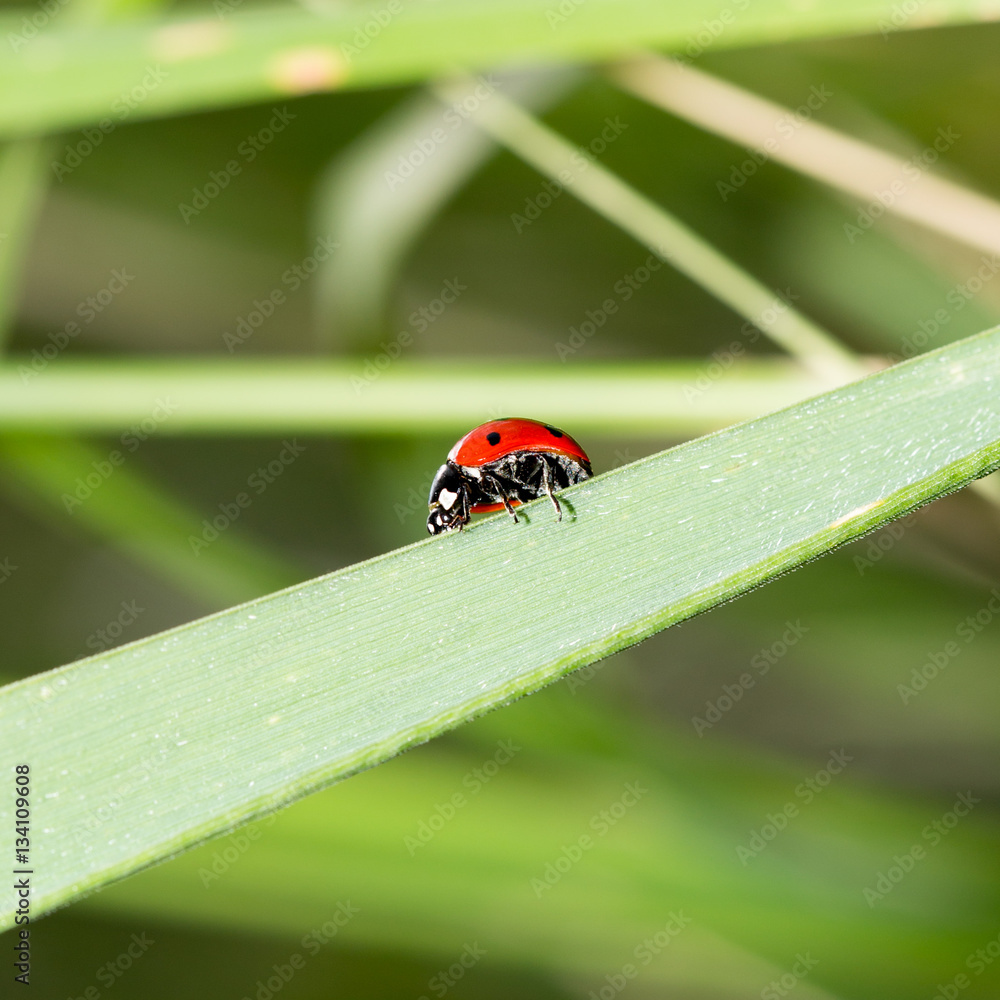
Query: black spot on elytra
(554, 431)
(493, 438)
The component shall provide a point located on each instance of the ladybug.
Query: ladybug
(500, 464)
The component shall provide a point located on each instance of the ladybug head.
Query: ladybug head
(449, 500)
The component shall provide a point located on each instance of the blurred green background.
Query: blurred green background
(464, 855)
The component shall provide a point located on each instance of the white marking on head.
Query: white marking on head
(447, 499)
(471, 470)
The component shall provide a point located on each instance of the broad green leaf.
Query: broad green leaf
(64, 76)
(152, 748)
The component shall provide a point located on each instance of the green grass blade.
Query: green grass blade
(662, 233)
(268, 54)
(301, 395)
(149, 749)
(849, 164)
(23, 180)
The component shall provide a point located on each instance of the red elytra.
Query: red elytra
(496, 438)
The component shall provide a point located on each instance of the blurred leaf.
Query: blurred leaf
(663, 234)
(530, 781)
(884, 182)
(152, 748)
(72, 483)
(376, 202)
(194, 63)
(23, 180)
(896, 314)
(385, 395)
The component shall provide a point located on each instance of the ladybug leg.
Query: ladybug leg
(497, 487)
(508, 506)
(549, 484)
